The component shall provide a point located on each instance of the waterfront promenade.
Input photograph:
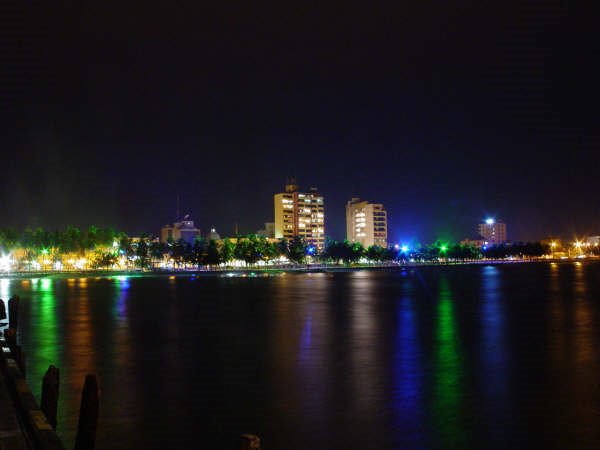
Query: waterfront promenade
(321, 267)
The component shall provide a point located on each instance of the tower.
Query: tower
(300, 214)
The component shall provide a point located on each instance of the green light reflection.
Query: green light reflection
(45, 331)
(46, 285)
(448, 372)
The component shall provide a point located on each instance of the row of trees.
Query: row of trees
(250, 249)
(107, 248)
(352, 252)
(519, 250)
(254, 249)
(70, 240)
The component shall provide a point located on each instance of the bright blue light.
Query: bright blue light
(123, 282)
(405, 248)
(484, 247)
(489, 221)
(310, 250)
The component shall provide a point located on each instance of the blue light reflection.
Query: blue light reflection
(407, 371)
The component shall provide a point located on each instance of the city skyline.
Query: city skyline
(345, 225)
(208, 225)
(444, 115)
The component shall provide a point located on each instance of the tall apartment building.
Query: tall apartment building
(493, 232)
(300, 214)
(366, 223)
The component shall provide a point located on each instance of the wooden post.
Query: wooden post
(88, 415)
(2, 310)
(22, 361)
(18, 355)
(249, 442)
(10, 334)
(13, 312)
(49, 402)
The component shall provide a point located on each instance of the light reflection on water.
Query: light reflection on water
(448, 384)
(455, 357)
(492, 343)
(365, 336)
(407, 370)
(47, 333)
(5, 290)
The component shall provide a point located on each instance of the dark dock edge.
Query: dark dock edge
(38, 432)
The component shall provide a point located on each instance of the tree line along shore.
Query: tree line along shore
(97, 248)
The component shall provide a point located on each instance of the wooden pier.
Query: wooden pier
(23, 423)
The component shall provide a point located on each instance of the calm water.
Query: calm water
(454, 357)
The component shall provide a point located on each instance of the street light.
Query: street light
(577, 245)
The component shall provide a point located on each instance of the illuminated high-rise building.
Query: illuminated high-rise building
(493, 232)
(300, 214)
(366, 223)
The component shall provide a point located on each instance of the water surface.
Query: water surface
(454, 357)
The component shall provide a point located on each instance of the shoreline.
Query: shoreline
(308, 268)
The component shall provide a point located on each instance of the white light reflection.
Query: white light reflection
(364, 338)
(5, 290)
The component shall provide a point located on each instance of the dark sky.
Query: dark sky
(444, 113)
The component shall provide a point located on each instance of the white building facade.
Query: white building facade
(366, 223)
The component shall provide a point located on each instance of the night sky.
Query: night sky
(445, 114)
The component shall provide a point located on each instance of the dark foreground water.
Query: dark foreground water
(453, 357)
